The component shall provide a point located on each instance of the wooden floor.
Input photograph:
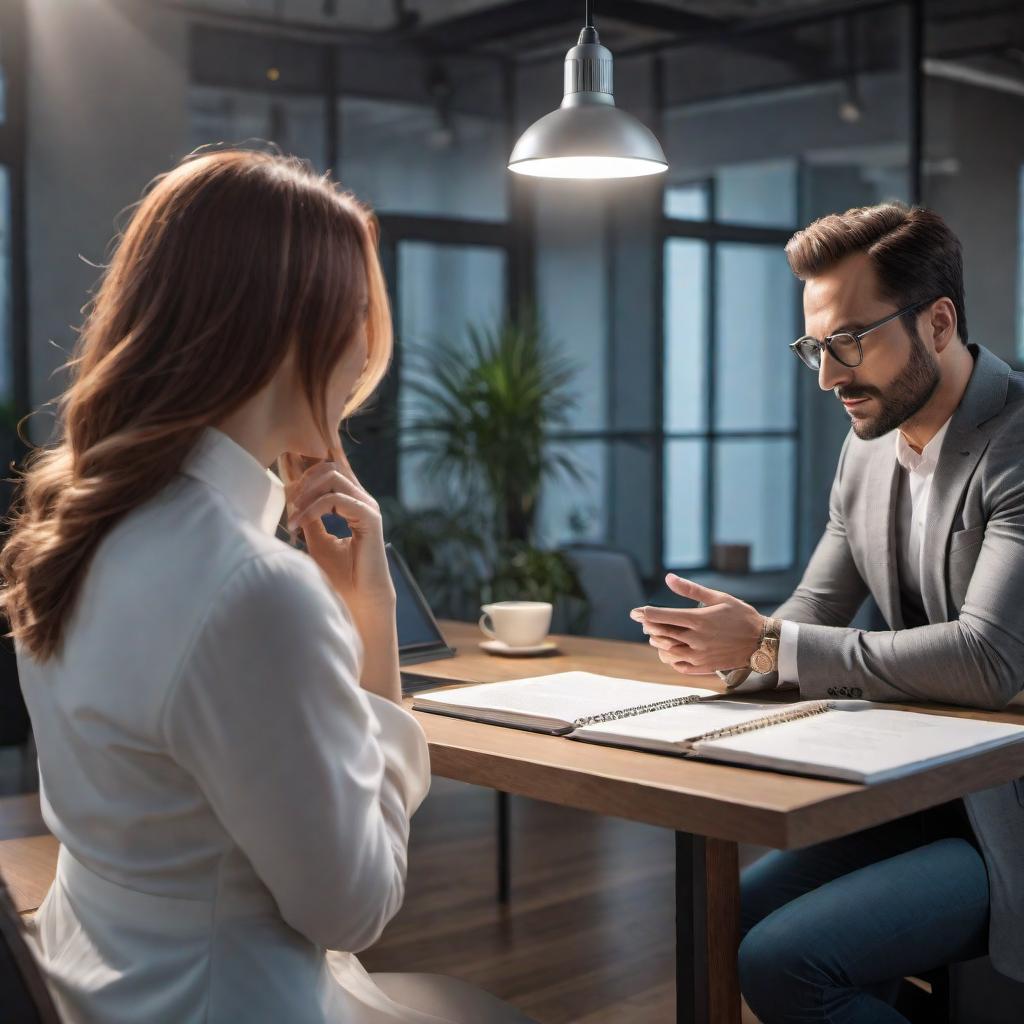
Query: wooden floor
(588, 935)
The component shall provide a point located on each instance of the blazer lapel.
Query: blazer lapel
(962, 448)
(883, 481)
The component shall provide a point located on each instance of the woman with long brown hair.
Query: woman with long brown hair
(223, 752)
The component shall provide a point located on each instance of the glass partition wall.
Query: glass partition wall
(764, 132)
(421, 138)
(707, 448)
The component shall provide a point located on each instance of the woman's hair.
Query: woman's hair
(228, 261)
(916, 256)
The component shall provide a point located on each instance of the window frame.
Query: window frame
(713, 233)
(14, 60)
(381, 420)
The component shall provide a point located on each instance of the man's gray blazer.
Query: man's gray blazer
(972, 650)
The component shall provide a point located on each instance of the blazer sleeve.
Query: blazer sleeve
(831, 589)
(312, 777)
(975, 660)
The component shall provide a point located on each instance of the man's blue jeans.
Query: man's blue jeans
(829, 931)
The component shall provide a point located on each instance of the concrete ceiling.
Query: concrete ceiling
(375, 15)
(381, 14)
(978, 32)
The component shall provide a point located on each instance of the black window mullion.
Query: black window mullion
(411, 227)
(710, 403)
(649, 436)
(332, 117)
(710, 230)
(798, 476)
(14, 56)
(658, 297)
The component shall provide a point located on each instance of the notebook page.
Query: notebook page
(867, 745)
(560, 698)
(675, 727)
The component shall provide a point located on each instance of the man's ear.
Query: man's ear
(941, 323)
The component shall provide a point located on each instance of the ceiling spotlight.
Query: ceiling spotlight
(851, 107)
(439, 85)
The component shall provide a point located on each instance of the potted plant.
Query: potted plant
(480, 414)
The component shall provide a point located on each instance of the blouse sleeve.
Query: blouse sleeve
(313, 777)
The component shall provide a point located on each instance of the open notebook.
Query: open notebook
(850, 740)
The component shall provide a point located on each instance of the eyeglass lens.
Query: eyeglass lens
(843, 347)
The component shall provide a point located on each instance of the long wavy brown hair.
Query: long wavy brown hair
(228, 261)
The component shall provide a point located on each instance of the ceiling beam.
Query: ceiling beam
(521, 17)
(660, 16)
(498, 22)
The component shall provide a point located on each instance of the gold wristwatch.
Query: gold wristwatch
(766, 657)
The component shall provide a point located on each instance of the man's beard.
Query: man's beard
(903, 398)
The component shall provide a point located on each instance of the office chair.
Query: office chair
(612, 585)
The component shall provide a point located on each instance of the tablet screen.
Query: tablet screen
(416, 626)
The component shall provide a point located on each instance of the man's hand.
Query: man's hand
(697, 641)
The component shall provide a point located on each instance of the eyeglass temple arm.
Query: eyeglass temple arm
(881, 323)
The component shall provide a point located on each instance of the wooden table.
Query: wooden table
(709, 807)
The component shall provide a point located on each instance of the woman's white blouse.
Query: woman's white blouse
(229, 801)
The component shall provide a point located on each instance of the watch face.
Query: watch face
(761, 661)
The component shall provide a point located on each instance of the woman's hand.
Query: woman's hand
(356, 566)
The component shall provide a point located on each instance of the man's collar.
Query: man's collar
(925, 460)
(984, 398)
(986, 390)
(226, 466)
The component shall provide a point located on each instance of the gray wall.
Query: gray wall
(106, 112)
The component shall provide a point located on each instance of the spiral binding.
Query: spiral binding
(715, 734)
(640, 709)
(762, 723)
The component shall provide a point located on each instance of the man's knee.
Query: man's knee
(758, 894)
(781, 976)
(757, 976)
(759, 971)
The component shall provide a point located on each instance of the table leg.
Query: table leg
(504, 870)
(707, 930)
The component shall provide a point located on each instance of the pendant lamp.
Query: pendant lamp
(588, 136)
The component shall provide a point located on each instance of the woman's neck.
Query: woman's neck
(253, 426)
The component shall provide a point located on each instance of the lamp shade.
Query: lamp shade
(588, 136)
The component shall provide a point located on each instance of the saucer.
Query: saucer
(500, 647)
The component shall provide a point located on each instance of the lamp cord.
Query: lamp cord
(590, 14)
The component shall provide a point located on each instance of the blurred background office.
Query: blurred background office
(689, 437)
(675, 430)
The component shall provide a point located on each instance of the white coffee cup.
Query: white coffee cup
(517, 623)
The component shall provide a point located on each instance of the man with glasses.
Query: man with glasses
(926, 516)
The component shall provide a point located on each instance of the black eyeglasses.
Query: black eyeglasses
(844, 346)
